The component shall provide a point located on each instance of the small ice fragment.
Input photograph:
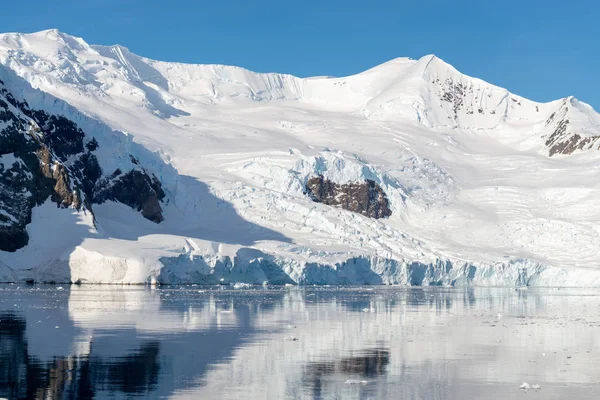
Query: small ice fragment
(290, 326)
(240, 285)
(56, 327)
(536, 387)
(289, 285)
(525, 386)
(499, 316)
(291, 338)
(356, 382)
(60, 288)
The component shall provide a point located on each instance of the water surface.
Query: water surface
(291, 343)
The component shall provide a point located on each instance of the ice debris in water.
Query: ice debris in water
(526, 386)
(291, 338)
(356, 382)
(240, 285)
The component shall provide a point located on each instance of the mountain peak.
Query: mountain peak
(427, 90)
(51, 31)
(54, 34)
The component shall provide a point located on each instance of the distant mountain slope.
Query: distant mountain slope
(268, 177)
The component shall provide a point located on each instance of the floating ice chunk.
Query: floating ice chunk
(241, 285)
(525, 386)
(356, 382)
(291, 338)
(60, 288)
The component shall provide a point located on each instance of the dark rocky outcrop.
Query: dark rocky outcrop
(366, 198)
(136, 189)
(561, 140)
(50, 157)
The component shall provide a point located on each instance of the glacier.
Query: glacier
(485, 187)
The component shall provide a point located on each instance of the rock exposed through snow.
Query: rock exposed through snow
(55, 159)
(366, 198)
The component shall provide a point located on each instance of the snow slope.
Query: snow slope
(485, 187)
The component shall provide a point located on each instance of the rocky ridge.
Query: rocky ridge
(45, 156)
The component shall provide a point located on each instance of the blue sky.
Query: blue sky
(542, 50)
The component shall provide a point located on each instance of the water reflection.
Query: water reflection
(367, 364)
(196, 342)
(23, 376)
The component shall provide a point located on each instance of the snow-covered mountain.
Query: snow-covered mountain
(408, 173)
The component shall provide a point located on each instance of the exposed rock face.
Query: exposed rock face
(366, 198)
(137, 190)
(45, 156)
(561, 140)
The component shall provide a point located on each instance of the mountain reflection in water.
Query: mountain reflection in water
(88, 342)
(23, 376)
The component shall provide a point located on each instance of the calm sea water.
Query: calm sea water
(292, 343)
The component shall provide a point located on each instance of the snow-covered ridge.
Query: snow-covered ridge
(474, 195)
(427, 90)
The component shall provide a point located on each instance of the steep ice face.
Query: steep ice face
(473, 194)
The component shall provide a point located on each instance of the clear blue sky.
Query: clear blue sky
(542, 50)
